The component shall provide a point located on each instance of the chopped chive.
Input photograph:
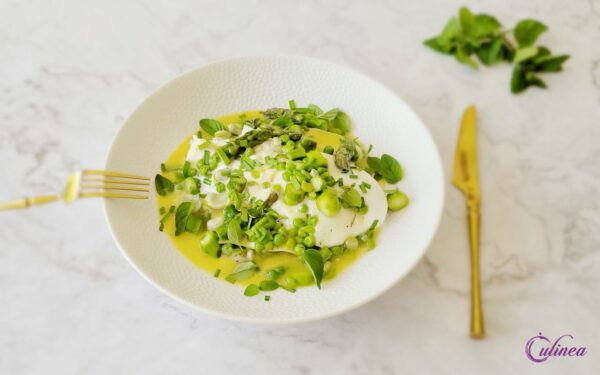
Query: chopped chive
(223, 156)
(267, 298)
(163, 167)
(217, 272)
(370, 149)
(162, 210)
(204, 145)
(353, 176)
(202, 195)
(161, 227)
(292, 104)
(372, 227)
(206, 158)
(364, 187)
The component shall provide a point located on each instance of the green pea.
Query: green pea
(292, 196)
(337, 250)
(309, 241)
(278, 239)
(325, 253)
(351, 243)
(397, 200)
(304, 208)
(328, 203)
(209, 241)
(299, 222)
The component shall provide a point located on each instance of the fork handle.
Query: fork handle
(26, 202)
(477, 330)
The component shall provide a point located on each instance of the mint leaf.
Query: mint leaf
(484, 25)
(211, 126)
(464, 58)
(490, 53)
(527, 31)
(523, 54)
(243, 271)
(341, 122)
(387, 167)
(551, 63)
(466, 19)
(163, 185)
(181, 217)
(234, 231)
(314, 261)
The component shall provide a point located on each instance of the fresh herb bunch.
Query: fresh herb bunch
(482, 35)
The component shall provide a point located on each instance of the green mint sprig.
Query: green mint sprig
(481, 36)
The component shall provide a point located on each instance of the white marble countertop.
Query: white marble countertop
(71, 72)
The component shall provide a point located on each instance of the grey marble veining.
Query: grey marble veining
(72, 71)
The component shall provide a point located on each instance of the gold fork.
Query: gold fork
(91, 183)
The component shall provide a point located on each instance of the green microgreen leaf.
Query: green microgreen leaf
(211, 126)
(268, 285)
(234, 231)
(251, 290)
(341, 122)
(163, 185)
(243, 271)
(314, 261)
(387, 167)
(182, 215)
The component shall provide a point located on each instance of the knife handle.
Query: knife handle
(477, 331)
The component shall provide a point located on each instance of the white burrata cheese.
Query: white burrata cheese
(332, 231)
(329, 231)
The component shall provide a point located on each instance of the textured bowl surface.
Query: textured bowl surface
(379, 117)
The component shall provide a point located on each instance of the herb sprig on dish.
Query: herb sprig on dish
(482, 36)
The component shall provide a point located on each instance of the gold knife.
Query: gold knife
(465, 178)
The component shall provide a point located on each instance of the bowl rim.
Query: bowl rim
(281, 321)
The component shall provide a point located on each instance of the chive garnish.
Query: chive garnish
(223, 156)
(217, 272)
(267, 298)
(204, 145)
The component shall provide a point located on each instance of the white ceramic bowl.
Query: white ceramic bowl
(379, 117)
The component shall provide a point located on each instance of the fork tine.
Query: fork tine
(89, 172)
(106, 187)
(98, 194)
(114, 181)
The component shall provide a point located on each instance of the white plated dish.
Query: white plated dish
(379, 117)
